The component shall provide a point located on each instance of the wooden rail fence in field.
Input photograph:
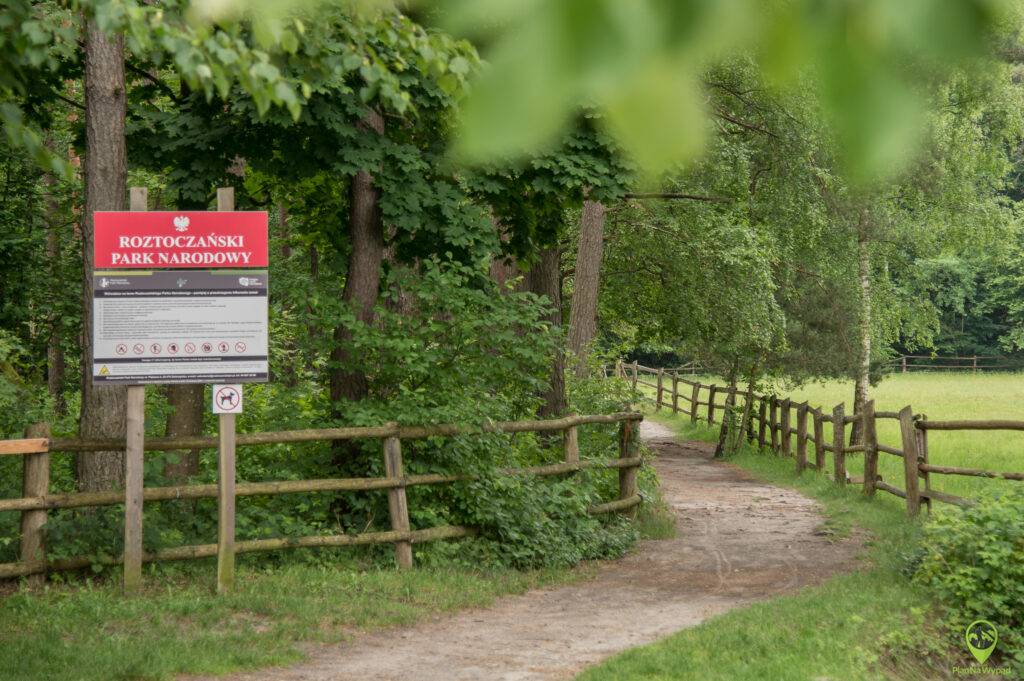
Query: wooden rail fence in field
(37, 499)
(774, 417)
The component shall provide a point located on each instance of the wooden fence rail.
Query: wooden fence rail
(37, 499)
(773, 416)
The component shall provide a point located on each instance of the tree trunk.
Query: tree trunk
(727, 415)
(586, 284)
(185, 419)
(55, 365)
(863, 382)
(544, 279)
(348, 382)
(103, 407)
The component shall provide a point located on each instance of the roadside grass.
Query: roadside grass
(867, 624)
(943, 396)
(178, 625)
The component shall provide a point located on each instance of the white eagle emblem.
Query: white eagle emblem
(181, 223)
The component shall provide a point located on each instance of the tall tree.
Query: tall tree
(586, 282)
(102, 412)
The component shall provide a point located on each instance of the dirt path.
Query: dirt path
(739, 541)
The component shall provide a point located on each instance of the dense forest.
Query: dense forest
(427, 268)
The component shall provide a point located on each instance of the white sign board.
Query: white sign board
(227, 399)
(195, 326)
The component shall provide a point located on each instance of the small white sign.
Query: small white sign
(227, 399)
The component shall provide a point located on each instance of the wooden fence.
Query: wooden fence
(972, 363)
(775, 418)
(37, 499)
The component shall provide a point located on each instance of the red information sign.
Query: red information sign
(180, 240)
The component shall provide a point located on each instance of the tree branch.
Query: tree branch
(675, 195)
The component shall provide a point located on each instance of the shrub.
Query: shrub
(973, 562)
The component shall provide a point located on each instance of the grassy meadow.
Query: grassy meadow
(940, 396)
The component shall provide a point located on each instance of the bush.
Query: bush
(973, 562)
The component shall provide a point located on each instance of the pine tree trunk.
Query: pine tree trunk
(55, 364)
(544, 279)
(586, 284)
(863, 382)
(103, 407)
(348, 381)
(185, 419)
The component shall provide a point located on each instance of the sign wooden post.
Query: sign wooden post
(135, 419)
(226, 503)
(224, 402)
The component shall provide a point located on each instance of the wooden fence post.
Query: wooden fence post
(773, 422)
(910, 463)
(922, 451)
(225, 503)
(661, 388)
(819, 440)
(627, 447)
(762, 423)
(618, 369)
(398, 507)
(694, 399)
(784, 426)
(903, 362)
(711, 403)
(869, 428)
(801, 437)
(748, 414)
(675, 393)
(839, 444)
(571, 445)
(35, 483)
(636, 373)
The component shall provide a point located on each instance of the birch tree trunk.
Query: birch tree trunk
(102, 413)
(863, 382)
(583, 314)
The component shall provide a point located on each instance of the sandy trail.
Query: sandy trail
(739, 540)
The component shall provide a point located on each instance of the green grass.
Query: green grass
(844, 629)
(179, 626)
(939, 396)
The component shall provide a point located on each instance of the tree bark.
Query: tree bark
(185, 419)
(586, 284)
(348, 382)
(727, 416)
(55, 364)
(863, 382)
(102, 412)
(544, 279)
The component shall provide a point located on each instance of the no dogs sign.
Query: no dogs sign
(180, 297)
(227, 399)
